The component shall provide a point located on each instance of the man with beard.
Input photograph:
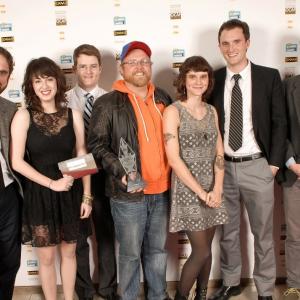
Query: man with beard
(129, 119)
(10, 242)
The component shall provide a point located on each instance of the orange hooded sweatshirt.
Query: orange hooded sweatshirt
(154, 163)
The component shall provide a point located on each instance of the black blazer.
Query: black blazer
(268, 110)
(292, 96)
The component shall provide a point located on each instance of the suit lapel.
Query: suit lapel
(256, 97)
(219, 97)
(295, 92)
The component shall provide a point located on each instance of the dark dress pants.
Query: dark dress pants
(10, 240)
(105, 237)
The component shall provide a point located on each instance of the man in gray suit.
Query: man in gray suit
(10, 244)
(250, 103)
(290, 180)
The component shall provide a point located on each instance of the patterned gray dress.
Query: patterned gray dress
(197, 143)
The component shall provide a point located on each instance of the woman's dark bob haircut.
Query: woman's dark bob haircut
(196, 64)
(44, 67)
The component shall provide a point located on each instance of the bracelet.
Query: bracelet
(49, 185)
(87, 199)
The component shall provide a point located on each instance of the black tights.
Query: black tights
(198, 264)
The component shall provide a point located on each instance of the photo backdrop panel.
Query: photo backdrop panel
(174, 30)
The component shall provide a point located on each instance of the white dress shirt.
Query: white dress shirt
(76, 96)
(7, 177)
(249, 145)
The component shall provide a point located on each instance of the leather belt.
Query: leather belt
(238, 159)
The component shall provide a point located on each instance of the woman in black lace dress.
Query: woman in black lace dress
(44, 134)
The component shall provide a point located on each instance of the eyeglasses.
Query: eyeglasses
(135, 63)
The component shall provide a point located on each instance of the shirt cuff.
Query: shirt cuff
(290, 162)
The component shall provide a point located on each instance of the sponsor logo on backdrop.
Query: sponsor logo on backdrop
(120, 32)
(66, 59)
(5, 27)
(61, 3)
(31, 273)
(14, 93)
(2, 9)
(32, 263)
(291, 59)
(117, 3)
(7, 39)
(234, 14)
(289, 47)
(119, 20)
(290, 7)
(61, 19)
(178, 52)
(176, 65)
(68, 71)
(175, 12)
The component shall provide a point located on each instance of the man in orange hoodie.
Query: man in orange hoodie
(132, 112)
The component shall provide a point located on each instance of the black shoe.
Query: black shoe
(225, 292)
(200, 294)
(265, 298)
(179, 297)
(112, 297)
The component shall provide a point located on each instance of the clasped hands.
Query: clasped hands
(212, 199)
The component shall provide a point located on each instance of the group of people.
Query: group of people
(187, 165)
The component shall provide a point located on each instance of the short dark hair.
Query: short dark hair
(234, 23)
(196, 64)
(44, 67)
(8, 58)
(86, 49)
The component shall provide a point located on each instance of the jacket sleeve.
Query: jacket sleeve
(99, 140)
(279, 123)
(163, 96)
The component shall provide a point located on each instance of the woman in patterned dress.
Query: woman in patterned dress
(47, 132)
(195, 152)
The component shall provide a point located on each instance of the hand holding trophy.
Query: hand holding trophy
(127, 159)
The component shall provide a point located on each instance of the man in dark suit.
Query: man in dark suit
(10, 243)
(250, 103)
(289, 177)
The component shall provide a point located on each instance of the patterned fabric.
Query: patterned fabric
(197, 142)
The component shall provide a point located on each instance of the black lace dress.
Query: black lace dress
(48, 216)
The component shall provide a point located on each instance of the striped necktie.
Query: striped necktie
(88, 111)
(235, 139)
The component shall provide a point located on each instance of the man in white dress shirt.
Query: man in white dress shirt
(87, 68)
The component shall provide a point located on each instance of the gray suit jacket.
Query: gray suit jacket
(292, 96)
(7, 111)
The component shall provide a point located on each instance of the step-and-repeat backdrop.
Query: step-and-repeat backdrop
(175, 30)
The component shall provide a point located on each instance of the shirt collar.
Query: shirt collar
(80, 92)
(244, 73)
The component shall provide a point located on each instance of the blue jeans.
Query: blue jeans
(140, 225)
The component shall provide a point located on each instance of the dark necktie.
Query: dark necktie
(88, 111)
(235, 140)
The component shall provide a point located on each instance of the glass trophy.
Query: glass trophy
(127, 159)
